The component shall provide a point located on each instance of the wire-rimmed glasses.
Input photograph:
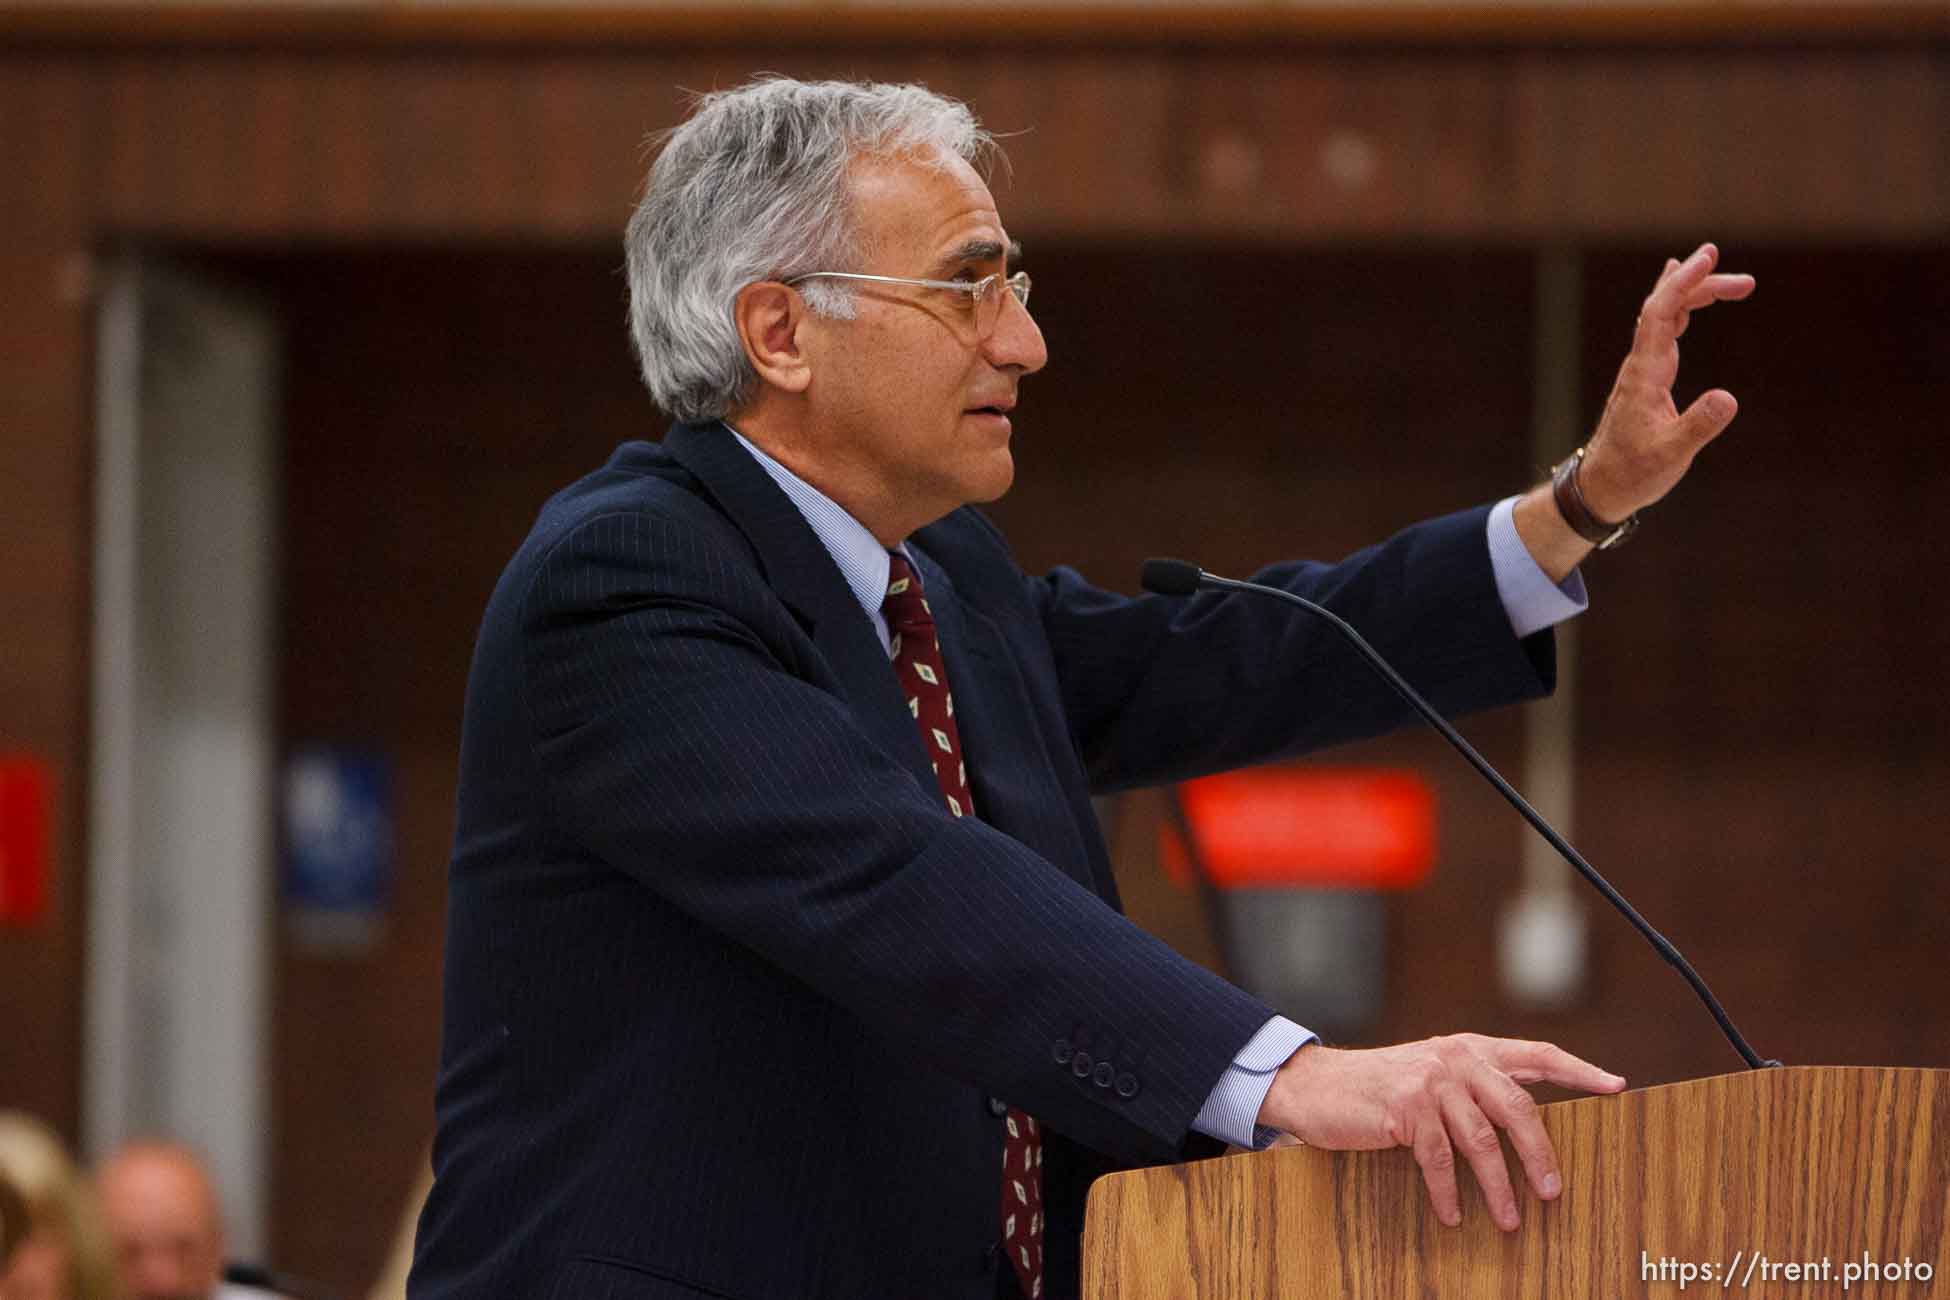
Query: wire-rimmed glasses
(984, 302)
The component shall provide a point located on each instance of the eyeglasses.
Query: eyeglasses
(983, 300)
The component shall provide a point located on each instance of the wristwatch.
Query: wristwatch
(1570, 503)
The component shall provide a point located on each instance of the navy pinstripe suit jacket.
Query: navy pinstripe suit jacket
(728, 992)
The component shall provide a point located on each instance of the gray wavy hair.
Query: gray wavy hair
(754, 187)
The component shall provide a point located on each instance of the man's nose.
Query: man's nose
(1016, 341)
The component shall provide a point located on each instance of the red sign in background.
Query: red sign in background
(26, 791)
(1307, 827)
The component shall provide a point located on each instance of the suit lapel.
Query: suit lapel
(1016, 790)
(799, 568)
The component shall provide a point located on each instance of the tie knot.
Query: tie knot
(906, 606)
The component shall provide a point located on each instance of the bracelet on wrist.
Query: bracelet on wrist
(1569, 496)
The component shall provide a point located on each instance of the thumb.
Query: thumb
(1707, 417)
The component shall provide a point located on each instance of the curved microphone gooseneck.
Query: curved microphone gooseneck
(1182, 578)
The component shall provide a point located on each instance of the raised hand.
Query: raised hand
(1644, 444)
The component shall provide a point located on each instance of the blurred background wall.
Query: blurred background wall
(1307, 275)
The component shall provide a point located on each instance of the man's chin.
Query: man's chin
(994, 484)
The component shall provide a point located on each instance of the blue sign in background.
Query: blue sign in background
(337, 830)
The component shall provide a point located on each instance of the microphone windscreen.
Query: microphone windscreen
(1169, 577)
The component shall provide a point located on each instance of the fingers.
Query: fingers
(1687, 286)
(1471, 1133)
(1470, 1105)
(1532, 1062)
(1697, 265)
(1708, 417)
(1506, 1104)
(1672, 264)
(1482, 1092)
(1714, 288)
(1643, 444)
(1501, 1102)
(1682, 288)
(1445, 1099)
(1662, 317)
(1718, 288)
(1438, 1161)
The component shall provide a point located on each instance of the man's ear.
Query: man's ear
(770, 317)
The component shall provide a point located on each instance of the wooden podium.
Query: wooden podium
(1788, 1182)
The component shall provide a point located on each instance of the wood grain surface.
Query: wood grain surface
(1741, 1174)
(609, 26)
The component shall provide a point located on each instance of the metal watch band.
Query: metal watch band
(1569, 497)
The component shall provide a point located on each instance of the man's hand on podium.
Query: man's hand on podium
(1435, 1097)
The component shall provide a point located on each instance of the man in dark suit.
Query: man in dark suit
(784, 956)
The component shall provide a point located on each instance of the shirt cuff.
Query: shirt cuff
(1531, 600)
(1230, 1112)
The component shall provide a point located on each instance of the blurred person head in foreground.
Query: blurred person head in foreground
(60, 1250)
(164, 1220)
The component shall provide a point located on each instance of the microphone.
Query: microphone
(1182, 578)
(1171, 577)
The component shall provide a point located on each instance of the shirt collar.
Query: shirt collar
(862, 560)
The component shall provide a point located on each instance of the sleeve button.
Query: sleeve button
(1127, 1085)
(1080, 1065)
(1063, 1051)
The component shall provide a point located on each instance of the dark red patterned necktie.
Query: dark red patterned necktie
(924, 681)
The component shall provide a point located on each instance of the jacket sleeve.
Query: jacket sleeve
(1165, 688)
(687, 736)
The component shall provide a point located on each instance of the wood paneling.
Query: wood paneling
(1613, 145)
(46, 121)
(45, 510)
(1220, 143)
(413, 27)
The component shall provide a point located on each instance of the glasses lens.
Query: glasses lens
(988, 302)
